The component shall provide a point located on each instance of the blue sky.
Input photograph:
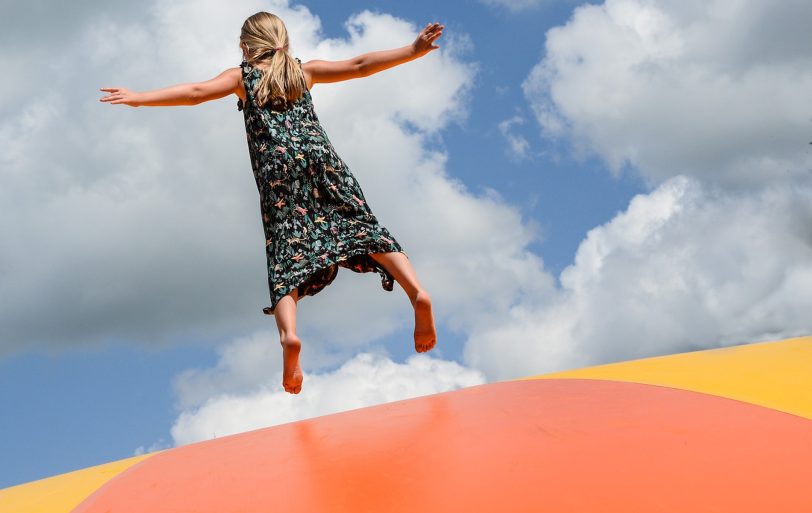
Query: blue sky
(674, 208)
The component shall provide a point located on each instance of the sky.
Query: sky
(575, 184)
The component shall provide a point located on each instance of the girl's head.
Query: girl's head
(265, 44)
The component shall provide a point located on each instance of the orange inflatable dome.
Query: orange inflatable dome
(723, 430)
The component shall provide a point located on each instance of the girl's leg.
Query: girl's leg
(398, 265)
(285, 314)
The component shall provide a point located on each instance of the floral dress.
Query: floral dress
(314, 214)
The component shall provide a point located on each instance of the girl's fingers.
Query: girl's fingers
(116, 96)
(431, 26)
(436, 31)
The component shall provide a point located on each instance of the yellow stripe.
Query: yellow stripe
(62, 493)
(777, 375)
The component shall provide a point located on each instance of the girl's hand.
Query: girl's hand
(120, 95)
(425, 40)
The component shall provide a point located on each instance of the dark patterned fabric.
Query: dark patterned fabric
(314, 213)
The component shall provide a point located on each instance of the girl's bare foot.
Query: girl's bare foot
(292, 373)
(425, 335)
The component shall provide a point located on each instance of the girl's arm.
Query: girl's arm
(223, 84)
(373, 62)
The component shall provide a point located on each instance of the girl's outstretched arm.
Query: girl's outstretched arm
(373, 62)
(223, 84)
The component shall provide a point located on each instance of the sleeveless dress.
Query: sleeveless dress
(314, 213)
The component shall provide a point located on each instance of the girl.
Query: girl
(314, 213)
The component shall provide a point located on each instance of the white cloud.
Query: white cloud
(160, 445)
(366, 379)
(683, 268)
(717, 91)
(518, 148)
(706, 101)
(718, 252)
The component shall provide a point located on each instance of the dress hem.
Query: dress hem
(333, 261)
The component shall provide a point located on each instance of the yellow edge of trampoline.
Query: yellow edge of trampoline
(776, 374)
(62, 493)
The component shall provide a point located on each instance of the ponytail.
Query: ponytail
(282, 81)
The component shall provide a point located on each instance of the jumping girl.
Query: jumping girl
(314, 213)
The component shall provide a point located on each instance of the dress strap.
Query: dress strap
(244, 66)
(302, 68)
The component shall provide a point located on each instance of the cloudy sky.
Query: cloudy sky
(575, 184)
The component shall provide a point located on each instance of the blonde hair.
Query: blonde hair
(283, 80)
